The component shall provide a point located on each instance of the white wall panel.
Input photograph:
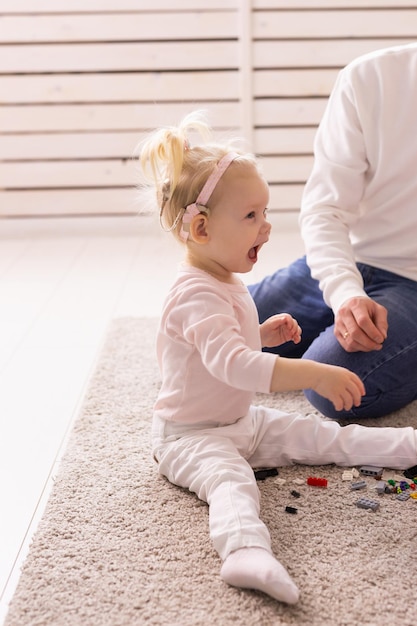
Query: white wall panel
(81, 81)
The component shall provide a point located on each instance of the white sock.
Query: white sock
(256, 568)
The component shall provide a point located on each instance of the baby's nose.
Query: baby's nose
(266, 228)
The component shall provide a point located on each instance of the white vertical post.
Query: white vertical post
(246, 71)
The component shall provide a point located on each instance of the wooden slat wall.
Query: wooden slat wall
(82, 80)
(298, 48)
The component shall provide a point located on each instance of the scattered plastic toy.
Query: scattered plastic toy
(403, 495)
(261, 474)
(291, 509)
(314, 481)
(381, 487)
(365, 503)
(360, 484)
(280, 481)
(369, 470)
(411, 472)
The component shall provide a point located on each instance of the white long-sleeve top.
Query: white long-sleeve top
(209, 351)
(360, 202)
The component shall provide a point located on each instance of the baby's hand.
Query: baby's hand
(341, 386)
(279, 329)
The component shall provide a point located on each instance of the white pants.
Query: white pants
(216, 462)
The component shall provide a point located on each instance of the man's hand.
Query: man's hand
(361, 325)
(279, 329)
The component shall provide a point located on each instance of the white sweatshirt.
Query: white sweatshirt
(209, 351)
(360, 202)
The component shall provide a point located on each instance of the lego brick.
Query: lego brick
(365, 503)
(280, 481)
(411, 472)
(370, 470)
(381, 486)
(261, 474)
(291, 509)
(404, 495)
(359, 484)
(316, 481)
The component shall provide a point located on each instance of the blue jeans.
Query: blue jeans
(389, 375)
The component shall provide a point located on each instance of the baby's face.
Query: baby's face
(237, 221)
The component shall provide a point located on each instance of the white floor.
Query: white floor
(61, 283)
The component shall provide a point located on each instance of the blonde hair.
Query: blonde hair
(178, 171)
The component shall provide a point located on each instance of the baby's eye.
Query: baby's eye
(251, 215)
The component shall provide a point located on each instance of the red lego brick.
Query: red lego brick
(317, 482)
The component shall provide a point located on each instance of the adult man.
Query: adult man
(358, 306)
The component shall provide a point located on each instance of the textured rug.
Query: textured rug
(119, 546)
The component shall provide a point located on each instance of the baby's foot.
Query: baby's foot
(256, 568)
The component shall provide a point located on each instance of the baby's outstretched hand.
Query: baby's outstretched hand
(279, 329)
(339, 385)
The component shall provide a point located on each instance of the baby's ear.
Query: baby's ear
(198, 228)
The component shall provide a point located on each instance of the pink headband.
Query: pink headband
(203, 197)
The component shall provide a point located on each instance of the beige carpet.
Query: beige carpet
(119, 545)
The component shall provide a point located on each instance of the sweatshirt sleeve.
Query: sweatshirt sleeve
(330, 203)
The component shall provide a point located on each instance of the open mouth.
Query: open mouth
(253, 253)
